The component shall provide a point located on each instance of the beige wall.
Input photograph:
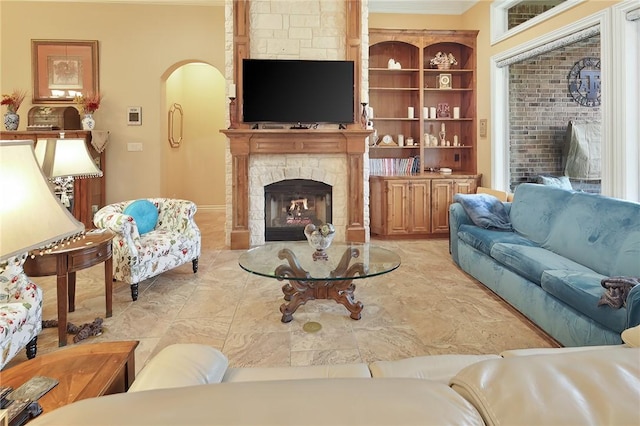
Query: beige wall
(139, 44)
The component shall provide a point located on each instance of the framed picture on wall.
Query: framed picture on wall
(63, 69)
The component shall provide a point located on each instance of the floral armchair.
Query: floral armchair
(20, 311)
(175, 240)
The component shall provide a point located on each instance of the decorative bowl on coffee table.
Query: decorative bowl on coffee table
(320, 238)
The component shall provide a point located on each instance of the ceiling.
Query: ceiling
(430, 7)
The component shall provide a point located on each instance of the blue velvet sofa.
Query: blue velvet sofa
(551, 264)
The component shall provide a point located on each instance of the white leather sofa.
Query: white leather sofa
(192, 384)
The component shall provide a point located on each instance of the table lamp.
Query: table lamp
(31, 217)
(62, 161)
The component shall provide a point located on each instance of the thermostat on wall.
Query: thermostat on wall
(134, 116)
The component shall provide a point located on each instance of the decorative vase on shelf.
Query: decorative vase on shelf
(11, 120)
(88, 123)
(320, 238)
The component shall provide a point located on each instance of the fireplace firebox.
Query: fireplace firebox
(292, 204)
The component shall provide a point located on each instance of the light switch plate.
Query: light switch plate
(483, 128)
(134, 146)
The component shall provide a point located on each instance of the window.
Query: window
(509, 17)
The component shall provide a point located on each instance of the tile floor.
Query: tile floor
(427, 306)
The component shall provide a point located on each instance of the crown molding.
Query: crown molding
(422, 7)
(156, 2)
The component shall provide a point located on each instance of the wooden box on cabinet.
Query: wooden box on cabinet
(89, 193)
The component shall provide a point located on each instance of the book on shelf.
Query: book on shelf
(394, 166)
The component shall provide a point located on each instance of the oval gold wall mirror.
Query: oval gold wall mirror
(176, 116)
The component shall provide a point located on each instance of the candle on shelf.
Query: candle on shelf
(456, 112)
(455, 140)
(364, 97)
(432, 112)
(410, 112)
(442, 127)
(232, 90)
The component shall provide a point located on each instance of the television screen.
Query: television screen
(297, 91)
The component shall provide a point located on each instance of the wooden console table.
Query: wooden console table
(64, 262)
(83, 371)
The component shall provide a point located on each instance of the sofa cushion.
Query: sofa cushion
(582, 291)
(631, 336)
(145, 213)
(256, 374)
(626, 262)
(439, 368)
(180, 365)
(592, 230)
(561, 182)
(352, 401)
(591, 387)
(484, 210)
(535, 208)
(531, 262)
(483, 239)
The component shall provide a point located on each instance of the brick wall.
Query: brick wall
(540, 108)
(522, 12)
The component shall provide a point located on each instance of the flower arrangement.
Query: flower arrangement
(442, 60)
(88, 104)
(14, 100)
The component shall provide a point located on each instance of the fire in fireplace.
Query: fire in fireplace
(292, 204)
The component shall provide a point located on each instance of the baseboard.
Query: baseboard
(211, 207)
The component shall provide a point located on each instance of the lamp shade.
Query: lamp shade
(30, 215)
(65, 157)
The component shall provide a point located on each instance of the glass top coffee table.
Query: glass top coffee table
(329, 277)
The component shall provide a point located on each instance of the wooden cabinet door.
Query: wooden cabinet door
(441, 197)
(397, 207)
(420, 206)
(464, 186)
(377, 206)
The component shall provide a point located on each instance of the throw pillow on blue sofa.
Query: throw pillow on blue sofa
(485, 211)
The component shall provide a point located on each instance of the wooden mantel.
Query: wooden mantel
(244, 142)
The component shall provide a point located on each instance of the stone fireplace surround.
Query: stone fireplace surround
(291, 204)
(261, 157)
(266, 169)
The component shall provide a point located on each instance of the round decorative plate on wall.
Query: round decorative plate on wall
(584, 82)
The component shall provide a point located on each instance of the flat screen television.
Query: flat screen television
(297, 91)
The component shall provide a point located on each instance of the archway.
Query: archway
(194, 168)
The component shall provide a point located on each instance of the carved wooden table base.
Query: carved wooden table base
(338, 287)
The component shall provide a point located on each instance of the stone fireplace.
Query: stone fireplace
(268, 169)
(262, 157)
(292, 204)
(315, 29)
